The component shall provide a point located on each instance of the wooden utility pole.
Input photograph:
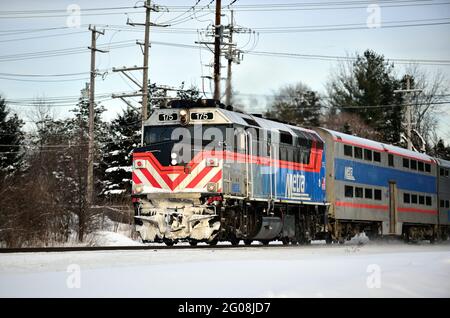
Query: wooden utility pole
(145, 64)
(143, 87)
(230, 62)
(217, 42)
(90, 172)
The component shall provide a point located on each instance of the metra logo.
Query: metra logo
(295, 186)
(348, 173)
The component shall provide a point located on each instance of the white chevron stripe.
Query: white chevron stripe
(208, 177)
(157, 177)
(141, 177)
(192, 175)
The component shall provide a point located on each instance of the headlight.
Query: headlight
(138, 188)
(184, 117)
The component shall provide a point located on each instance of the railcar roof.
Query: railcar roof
(443, 163)
(238, 118)
(378, 145)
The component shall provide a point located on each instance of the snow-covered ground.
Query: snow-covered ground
(389, 270)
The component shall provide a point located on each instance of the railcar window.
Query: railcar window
(377, 194)
(251, 122)
(421, 199)
(405, 163)
(376, 156)
(414, 164)
(446, 172)
(348, 150)
(441, 172)
(420, 166)
(358, 192)
(349, 191)
(285, 137)
(447, 204)
(442, 204)
(427, 167)
(358, 153)
(391, 160)
(428, 200)
(414, 198)
(368, 193)
(406, 198)
(367, 154)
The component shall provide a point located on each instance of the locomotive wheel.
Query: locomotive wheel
(168, 242)
(235, 241)
(329, 239)
(213, 242)
(248, 242)
(193, 243)
(265, 242)
(285, 241)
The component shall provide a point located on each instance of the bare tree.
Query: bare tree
(426, 109)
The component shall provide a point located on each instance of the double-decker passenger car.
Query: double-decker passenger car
(443, 175)
(207, 173)
(379, 189)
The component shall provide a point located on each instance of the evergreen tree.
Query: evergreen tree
(296, 104)
(370, 81)
(441, 151)
(11, 140)
(125, 135)
(192, 93)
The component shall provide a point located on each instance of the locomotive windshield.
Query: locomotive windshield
(164, 140)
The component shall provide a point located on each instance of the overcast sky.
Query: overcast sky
(255, 78)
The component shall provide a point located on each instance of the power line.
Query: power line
(41, 37)
(344, 5)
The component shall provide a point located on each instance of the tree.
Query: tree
(125, 135)
(351, 124)
(425, 105)
(11, 141)
(440, 150)
(192, 93)
(366, 88)
(296, 104)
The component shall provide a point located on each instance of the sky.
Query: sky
(24, 30)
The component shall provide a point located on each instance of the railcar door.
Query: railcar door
(393, 207)
(249, 165)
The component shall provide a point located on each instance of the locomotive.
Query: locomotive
(208, 173)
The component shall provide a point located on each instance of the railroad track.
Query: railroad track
(127, 248)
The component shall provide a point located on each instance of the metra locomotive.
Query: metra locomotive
(208, 173)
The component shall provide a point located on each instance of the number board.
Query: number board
(202, 116)
(168, 117)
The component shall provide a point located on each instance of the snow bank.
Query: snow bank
(105, 238)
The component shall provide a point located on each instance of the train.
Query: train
(207, 173)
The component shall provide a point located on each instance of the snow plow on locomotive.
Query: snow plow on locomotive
(207, 173)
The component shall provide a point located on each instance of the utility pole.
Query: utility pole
(90, 172)
(231, 53)
(145, 64)
(230, 62)
(408, 115)
(217, 41)
(143, 87)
